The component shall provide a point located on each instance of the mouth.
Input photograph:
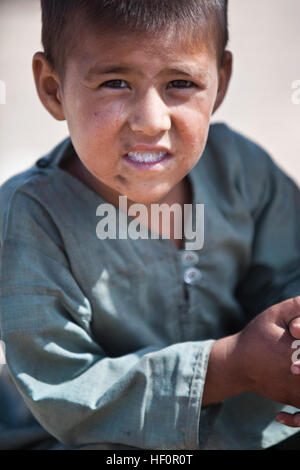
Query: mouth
(147, 159)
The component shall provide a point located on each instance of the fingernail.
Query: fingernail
(295, 369)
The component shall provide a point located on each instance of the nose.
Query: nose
(150, 115)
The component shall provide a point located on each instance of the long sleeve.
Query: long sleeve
(146, 398)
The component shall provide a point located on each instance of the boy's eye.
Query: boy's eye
(115, 84)
(181, 84)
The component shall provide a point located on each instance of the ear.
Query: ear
(48, 86)
(224, 78)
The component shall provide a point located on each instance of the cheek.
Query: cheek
(194, 129)
(99, 140)
(196, 119)
(109, 116)
(89, 115)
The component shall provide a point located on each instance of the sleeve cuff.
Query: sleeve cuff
(200, 420)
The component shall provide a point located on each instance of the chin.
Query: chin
(143, 200)
(146, 198)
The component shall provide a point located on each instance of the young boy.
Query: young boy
(141, 343)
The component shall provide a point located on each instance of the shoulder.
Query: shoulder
(235, 148)
(22, 205)
(243, 164)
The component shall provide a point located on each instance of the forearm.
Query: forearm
(224, 376)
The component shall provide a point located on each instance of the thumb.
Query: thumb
(294, 328)
(288, 312)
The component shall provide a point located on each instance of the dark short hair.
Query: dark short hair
(59, 20)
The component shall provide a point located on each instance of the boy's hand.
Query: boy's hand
(265, 350)
(292, 420)
(257, 359)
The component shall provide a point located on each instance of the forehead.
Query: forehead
(143, 48)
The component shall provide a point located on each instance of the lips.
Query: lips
(147, 156)
(144, 157)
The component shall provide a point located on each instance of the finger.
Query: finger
(295, 368)
(287, 311)
(288, 419)
(294, 328)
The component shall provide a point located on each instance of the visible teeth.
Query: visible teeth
(146, 157)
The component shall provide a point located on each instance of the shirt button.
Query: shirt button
(189, 257)
(192, 275)
(42, 163)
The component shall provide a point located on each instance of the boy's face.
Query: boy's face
(129, 99)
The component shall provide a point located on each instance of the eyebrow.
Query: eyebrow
(111, 69)
(99, 70)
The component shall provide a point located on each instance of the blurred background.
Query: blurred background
(265, 40)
